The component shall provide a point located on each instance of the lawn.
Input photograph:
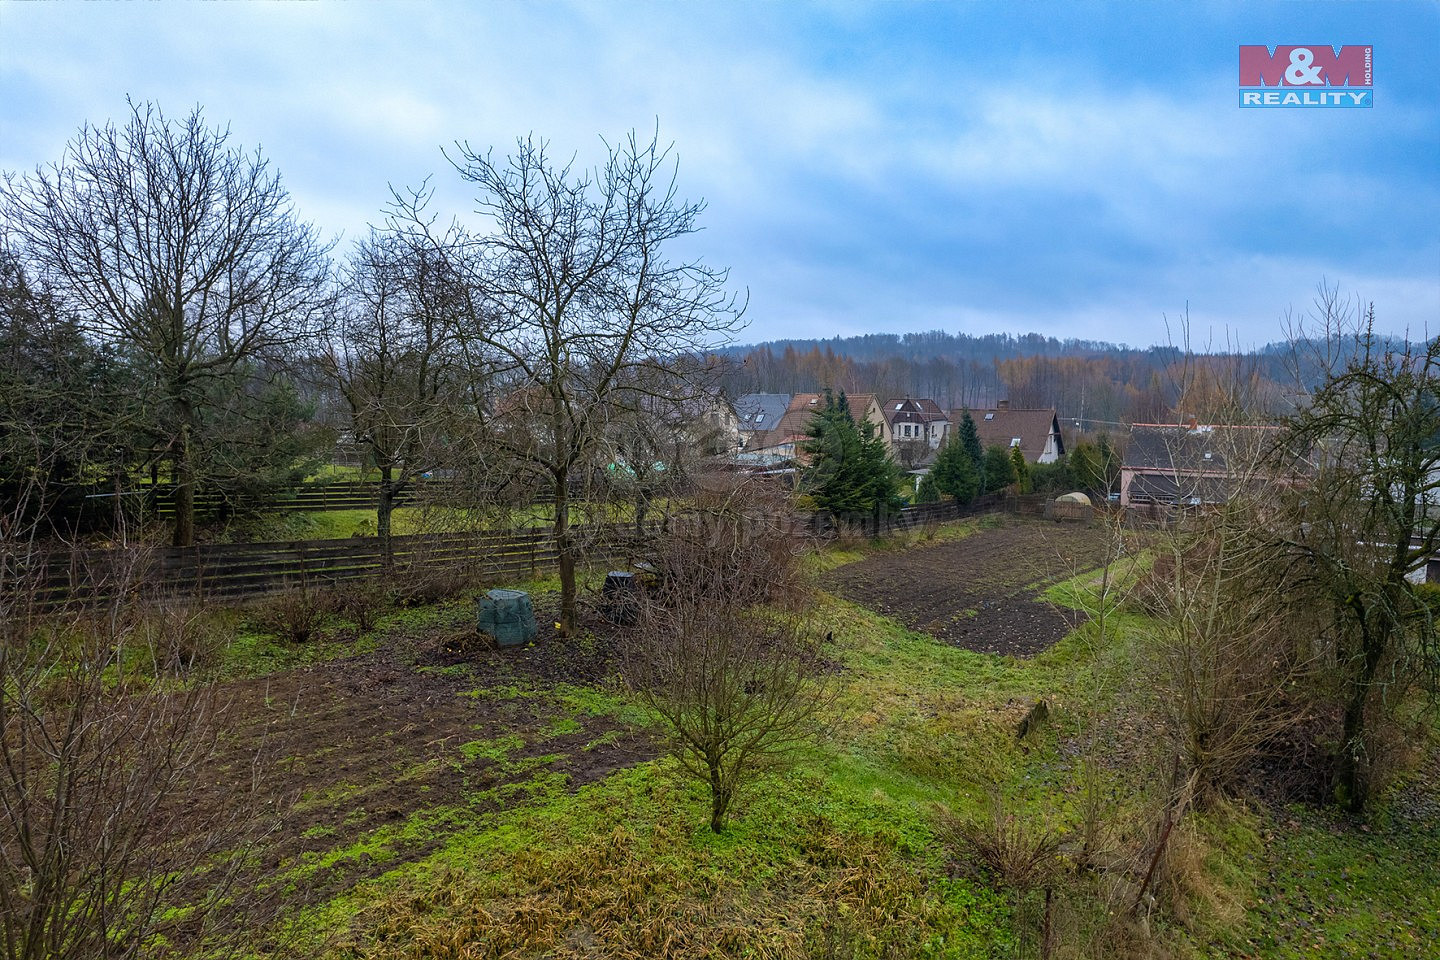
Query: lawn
(343, 524)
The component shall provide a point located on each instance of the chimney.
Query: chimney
(1002, 405)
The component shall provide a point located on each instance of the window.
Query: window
(989, 416)
(1014, 441)
(899, 406)
(759, 417)
(814, 400)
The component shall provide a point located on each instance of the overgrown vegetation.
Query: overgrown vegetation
(725, 652)
(929, 823)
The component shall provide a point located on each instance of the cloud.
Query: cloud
(866, 166)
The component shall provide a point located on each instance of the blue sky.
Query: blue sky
(1075, 169)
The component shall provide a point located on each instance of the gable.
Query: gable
(1033, 428)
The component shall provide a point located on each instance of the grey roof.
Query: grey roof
(1192, 463)
(1193, 448)
(767, 407)
(912, 410)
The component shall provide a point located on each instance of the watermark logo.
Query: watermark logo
(1313, 75)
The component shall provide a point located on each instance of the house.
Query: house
(909, 420)
(1189, 464)
(758, 414)
(914, 429)
(1035, 431)
(792, 430)
(712, 424)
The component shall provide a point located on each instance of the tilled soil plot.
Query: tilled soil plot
(980, 592)
(372, 761)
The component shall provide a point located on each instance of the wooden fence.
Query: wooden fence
(305, 497)
(255, 569)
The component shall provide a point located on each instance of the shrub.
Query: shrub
(361, 601)
(296, 614)
(722, 654)
(421, 585)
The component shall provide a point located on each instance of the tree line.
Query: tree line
(167, 315)
(1093, 382)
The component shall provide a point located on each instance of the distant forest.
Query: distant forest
(1083, 379)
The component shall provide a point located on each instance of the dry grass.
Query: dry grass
(615, 898)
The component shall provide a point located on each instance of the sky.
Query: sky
(1073, 169)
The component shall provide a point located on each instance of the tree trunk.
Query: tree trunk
(719, 799)
(384, 507)
(1353, 781)
(565, 551)
(185, 479)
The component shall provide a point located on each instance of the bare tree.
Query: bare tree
(574, 300)
(393, 356)
(1233, 650)
(167, 241)
(1367, 520)
(722, 654)
(106, 741)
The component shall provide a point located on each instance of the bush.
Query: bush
(184, 637)
(422, 585)
(927, 491)
(361, 601)
(721, 653)
(732, 547)
(296, 614)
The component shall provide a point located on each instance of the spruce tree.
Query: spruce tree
(954, 471)
(999, 471)
(850, 471)
(881, 475)
(969, 439)
(833, 478)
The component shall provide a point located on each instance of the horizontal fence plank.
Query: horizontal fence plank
(255, 569)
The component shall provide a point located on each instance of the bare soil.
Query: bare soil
(375, 740)
(980, 592)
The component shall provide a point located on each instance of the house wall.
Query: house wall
(1052, 449)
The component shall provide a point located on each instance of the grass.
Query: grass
(845, 854)
(1329, 889)
(404, 520)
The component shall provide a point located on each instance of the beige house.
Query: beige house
(790, 432)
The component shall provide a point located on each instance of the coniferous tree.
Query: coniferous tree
(881, 475)
(833, 478)
(969, 439)
(1021, 467)
(850, 472)
(954, 471)
(927, 491)
(999, 472)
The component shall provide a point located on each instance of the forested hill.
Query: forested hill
(1081, 378)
